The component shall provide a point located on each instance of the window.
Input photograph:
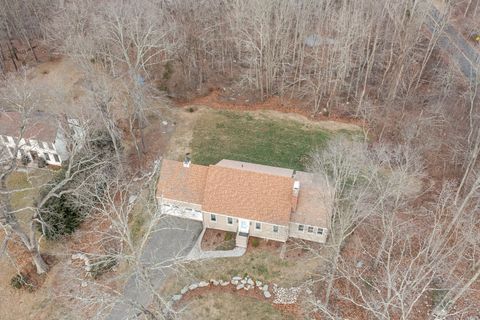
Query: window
(229, 220)
(310, 229)
(320, 231)
(47, 156)
(258, 226)
(301, 227)
(213, 217)
(5, 139)
(275, 229)
(56, 158)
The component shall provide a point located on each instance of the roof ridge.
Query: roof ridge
(252, 171)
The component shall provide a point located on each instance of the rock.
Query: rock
(177, 297)
(237, 278)
(258, 283)
(359, 264)
(308, 291)
(224, 283)
(193, 286)
(286, 295)
(267, 294)
(243, 281)
(184, 290)
(234, 282)
(202, 284)
(240, 286)
(84, 284)
(164, 123)
(265, 287)
(247, 287)
(214, 282)
(250, 282)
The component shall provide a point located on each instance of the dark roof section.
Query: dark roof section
(39, 126)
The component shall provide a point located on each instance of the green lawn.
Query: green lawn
(24, 190)
(240, 136)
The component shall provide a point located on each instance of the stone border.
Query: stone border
(281, 295)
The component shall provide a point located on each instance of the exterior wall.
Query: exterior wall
(266, 231)
(305, 235)
(41, 148)
(221, 223)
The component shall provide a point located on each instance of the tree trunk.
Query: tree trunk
(39, 262)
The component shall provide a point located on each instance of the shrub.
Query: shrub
(255, 242)
(100, 267)
(229, 236)
(62, 217)
(167, 73)
(20, 281)
(26, 160)
(41, 162)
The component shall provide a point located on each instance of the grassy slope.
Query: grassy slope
(240, 136)
(212, 306)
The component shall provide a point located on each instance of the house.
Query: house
(248, 199)
(40, 137)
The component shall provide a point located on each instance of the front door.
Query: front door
(243, 226)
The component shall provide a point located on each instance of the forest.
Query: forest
(405, 240)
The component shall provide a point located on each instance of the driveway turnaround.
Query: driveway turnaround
(172, 241)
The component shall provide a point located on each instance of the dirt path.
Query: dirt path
(215, 100)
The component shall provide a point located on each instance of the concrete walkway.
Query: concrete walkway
(198, 254)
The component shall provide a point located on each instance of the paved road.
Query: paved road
(463, 53)
(174, 239)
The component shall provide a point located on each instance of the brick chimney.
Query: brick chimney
(295, 191)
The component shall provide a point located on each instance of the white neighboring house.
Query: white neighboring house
(42, 136)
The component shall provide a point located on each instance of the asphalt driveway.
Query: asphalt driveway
(173, 240)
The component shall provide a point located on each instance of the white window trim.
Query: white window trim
(275, 227)
(212, 215)
(229, 219)
(310, 228)
(258, 224)
(302, 226)
(322, 231)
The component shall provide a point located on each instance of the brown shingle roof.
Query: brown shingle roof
(183, 184)
(39, 126)
(248, 166)
(249, 195)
